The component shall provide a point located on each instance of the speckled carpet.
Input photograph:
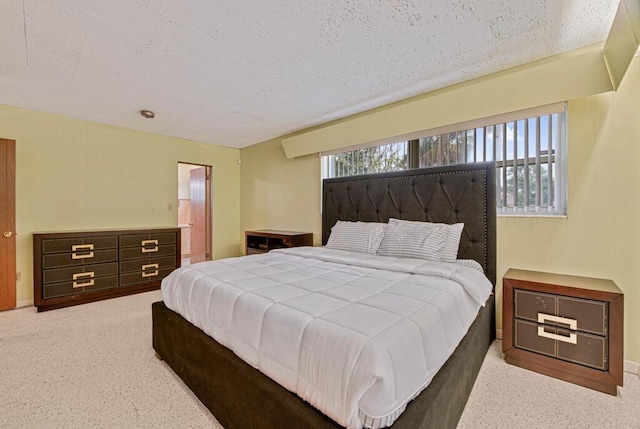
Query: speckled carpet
(92, 366)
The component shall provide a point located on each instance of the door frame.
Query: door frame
(208, 208)
(8, 280)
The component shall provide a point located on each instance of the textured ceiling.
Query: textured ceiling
(237, 72)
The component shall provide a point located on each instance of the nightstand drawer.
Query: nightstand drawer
(591, 316)
(588, 350)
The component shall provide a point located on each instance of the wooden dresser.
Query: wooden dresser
(264, 240)
(567, 327)
(83, 266)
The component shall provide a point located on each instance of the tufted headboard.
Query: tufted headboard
(450, 194)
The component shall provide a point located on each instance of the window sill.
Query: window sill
(533, 215)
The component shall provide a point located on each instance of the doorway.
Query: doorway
(194, 212)
(7, 224)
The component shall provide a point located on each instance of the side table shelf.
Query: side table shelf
(264, 240)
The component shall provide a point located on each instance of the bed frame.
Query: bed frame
(240, 396)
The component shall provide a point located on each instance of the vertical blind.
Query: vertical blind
(529, 149)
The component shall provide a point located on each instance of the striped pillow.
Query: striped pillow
(363, 237)
(449, 252)
(470, 263)
(413, 240)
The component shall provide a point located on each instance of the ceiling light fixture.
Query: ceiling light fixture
(147, 114)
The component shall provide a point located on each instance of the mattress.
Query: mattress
(357, 336)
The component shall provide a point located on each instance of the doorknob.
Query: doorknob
(7, 234)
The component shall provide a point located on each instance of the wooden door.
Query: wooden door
(7, 224)
(198, 222)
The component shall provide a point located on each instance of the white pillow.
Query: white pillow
(413, 240)
(363, 237)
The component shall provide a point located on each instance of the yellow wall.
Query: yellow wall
(599, 237)
(546, 81)
(73, 174)
(280, 193)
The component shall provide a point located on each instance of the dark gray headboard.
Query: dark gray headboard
(451, 194)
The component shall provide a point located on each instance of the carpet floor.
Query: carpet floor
(92, 366)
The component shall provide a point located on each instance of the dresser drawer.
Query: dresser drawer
(54, 290)
(591, 316)
(155, 263)
(142, 252)
(589, 350)
(144, 276)
(83, 271)
(55, 260)
(146, 240)
(526, 337)
(60, 245)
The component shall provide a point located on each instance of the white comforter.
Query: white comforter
(357, 336)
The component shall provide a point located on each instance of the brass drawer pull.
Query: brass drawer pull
(572, 323)
(82, 256)
(76, 247)
(571, 339)
(77, 276)
(81, 247)
(150, 274)
(145, 243)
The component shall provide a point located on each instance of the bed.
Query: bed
(240, 396)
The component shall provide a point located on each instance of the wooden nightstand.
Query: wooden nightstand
(263, 240)
(563, 326)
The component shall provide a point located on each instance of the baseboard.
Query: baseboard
(499, 334)
(25, 303)
(632, 367)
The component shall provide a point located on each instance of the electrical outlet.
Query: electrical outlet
(18, 277)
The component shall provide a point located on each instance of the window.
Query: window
(376, 159)
(529, 149)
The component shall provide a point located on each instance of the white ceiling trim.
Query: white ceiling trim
(542, 82)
